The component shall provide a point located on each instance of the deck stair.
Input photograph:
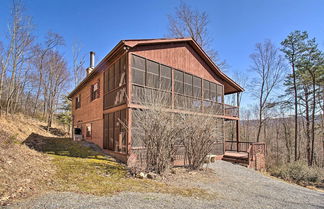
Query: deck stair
(248, 154)
(235, 157)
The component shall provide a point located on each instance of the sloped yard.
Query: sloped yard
(33, 161)
(236, 187)
(60, 173)
(80, 168)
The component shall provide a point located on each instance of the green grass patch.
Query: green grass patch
(81, 169)
(103, 177)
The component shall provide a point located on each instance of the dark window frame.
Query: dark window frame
(78, 101)
(95, 94)
(89, 133)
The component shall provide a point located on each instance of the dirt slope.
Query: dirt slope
(23, 171)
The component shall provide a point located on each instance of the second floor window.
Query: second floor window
(78, 101)
(95, 91)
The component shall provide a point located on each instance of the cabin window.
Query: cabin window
(88, 130)
(77, 131)
(78, 101)
(95, 91)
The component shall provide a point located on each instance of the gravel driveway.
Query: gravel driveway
(237, 186)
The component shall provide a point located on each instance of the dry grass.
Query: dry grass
(23, 172)
(20, 126)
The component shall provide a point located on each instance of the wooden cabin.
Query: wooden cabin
(110, 91)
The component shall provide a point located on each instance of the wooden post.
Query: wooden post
(238, 122)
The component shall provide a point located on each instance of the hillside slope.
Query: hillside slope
(23, 171)
(56, 163)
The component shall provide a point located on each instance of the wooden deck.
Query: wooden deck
(249, 154)
(241, 158)
(236, 154)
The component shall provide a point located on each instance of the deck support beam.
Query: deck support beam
(238, 122)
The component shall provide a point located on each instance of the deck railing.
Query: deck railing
(232, 111)
(237, 146)
(256, 152)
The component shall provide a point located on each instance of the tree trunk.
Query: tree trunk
(296, 111)
(308, 132)
(313, 122)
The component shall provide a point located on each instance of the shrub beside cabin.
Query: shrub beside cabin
(103, 102)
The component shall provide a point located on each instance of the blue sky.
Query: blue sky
(235, 25)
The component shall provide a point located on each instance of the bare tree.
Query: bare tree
(53, 40)
(55, 77)
(199, 134)
(269, 68)
(15, 56)
(192, 23)
(78, 64)
(158, 132)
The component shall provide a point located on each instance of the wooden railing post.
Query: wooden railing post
(237, 135)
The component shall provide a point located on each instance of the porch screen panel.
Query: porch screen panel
(138, 70)
(153, 74)
(116, 131)
(188, 84)
(106, 81)
(197, 87)
(117, 139)
(111, 78)
(197, 103)
(117, 74)
(165, 78)
(106, 131)
(206, 90)
(220, 93)
(123, 130)
(123, 66)
(138, 94)
(178, 81)
(115, 84)
(111, 131)
(212, 92)
(137, 135)
(217, 147)
(206, 103)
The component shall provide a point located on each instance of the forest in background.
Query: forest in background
(288, 83)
